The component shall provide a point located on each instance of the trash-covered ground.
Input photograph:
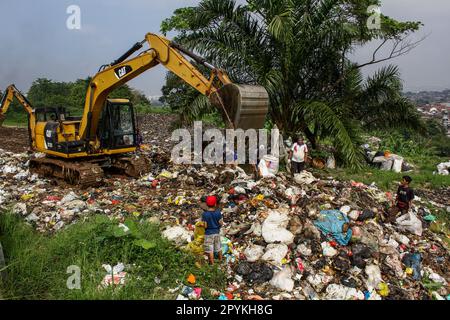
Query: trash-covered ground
(283, 238)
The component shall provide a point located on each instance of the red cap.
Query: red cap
(211, 201)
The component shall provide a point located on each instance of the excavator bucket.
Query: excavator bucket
(2, 118)
(246, 106)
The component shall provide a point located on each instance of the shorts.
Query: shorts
(213, 243)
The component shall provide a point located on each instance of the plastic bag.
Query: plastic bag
(274, 228)
(409, 222)
(254, 253)
(283, 280)
(331, 222)
(196, 246)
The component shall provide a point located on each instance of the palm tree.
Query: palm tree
(297, 49)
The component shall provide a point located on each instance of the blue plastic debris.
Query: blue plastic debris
(412, 260)
(222, 297)
(331, 222)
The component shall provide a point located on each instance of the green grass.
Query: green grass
(422, 174)
(16, 119)
(37, 264)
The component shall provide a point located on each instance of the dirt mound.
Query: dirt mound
(14, 139)
(155, 128)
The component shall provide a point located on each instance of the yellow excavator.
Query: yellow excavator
(77, 149)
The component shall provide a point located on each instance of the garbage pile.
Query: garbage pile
(283, 238)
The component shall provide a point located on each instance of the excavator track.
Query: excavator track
(133, 167)
(82, 174)
(88, 173)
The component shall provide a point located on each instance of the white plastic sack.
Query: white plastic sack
(69, 197)
(304, 178)
(345, 209)
(373, 273)
(328, 251)
(253, 253)
(397, 166)
(409, 222)
(340, 292)
(178, 235)
(283, 280)
(304, 250)
(20, 208)
(331, 163)
(353, 215)
(274, 228)
(275, 253)
(387, 165)
(444, 168)
(9, 169)
(319, 280)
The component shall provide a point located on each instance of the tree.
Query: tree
(299, 51)
(72, 95)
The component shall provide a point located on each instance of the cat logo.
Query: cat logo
(122, 71)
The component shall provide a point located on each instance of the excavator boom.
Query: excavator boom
(241, 106)
(10, 93)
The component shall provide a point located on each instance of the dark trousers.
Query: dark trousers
(297, 167)
(394, 211)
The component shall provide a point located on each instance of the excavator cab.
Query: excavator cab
(50, 114)
(117, 126)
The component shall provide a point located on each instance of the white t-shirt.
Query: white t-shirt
(299, 152)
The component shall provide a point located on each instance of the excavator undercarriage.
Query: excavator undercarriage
(89, 172)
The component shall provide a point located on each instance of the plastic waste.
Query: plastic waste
(275, 253)
(283, 280)
(331, 162)
(409, 222)
(444, 168)
(274, 228)
(383, 289)
(196, 246)
(374, 278)
(253, 253)
(254, 272)
(328, 250)
(332, 223)
(354, 215)
(304, 250)
(304, 178)
(413, 261)
(178, 235)
(340, 292)
(191, 279)
(115, 275)
(366, 215)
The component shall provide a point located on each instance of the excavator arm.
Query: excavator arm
(162, 51)
(8, 97)
(11, 93)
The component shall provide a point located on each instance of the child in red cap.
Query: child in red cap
(212, 219)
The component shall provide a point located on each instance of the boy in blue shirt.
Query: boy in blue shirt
(212, 219)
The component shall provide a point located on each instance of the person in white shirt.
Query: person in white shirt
(298, 156)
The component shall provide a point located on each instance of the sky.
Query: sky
(36, 42)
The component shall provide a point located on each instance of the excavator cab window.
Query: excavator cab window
(50, 114)
(117, 127)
